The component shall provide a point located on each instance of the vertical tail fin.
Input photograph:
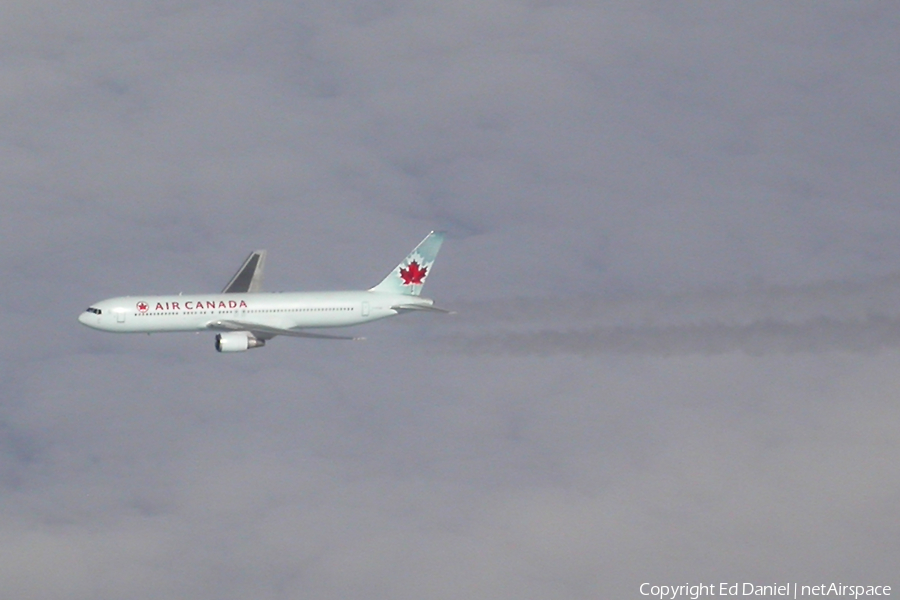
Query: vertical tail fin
(409, 276)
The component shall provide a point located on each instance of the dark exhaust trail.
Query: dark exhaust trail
(822, 334)
(847, 316)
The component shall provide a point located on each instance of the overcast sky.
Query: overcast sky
(673, 248)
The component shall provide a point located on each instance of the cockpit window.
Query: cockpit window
(96, 311)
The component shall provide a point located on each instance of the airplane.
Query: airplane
(246, 318)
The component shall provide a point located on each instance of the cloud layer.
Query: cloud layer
(672, 250)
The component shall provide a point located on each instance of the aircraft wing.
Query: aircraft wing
(249, 277)
(266, 332)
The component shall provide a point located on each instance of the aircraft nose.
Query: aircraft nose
(85, 319)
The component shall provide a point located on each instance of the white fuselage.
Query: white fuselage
(285, 310)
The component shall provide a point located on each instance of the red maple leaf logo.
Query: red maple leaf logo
(413, 274)
(142, 306)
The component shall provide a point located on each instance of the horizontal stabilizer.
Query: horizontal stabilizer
(421, 307)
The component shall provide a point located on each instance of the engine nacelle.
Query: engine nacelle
(237, 341)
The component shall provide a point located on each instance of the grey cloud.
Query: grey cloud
(698, 199)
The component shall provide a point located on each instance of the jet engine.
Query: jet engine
(237, 341)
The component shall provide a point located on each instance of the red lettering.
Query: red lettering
(222, 304)
(210, 304)
(187, 305)
(243, 304)
(159, 306)
(232, 304)
(175, 306)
